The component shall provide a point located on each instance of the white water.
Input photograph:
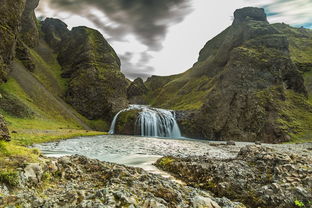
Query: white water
(154, 122)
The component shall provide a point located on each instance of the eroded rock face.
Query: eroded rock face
(258, 176)
(10, 16)
(29, 29)
(249, 13)
(253, 83)
(97, 89)
(136, 92)
(54, 32)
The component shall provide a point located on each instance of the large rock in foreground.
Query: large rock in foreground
(80, 182)
(257, 177)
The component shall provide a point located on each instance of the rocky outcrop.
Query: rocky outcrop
(80, 182)
(10, 16)
(136, 92)
(23, 54)
(29, 24)
(54, 31)
(243, 87)
(96, 88)
(258, 176)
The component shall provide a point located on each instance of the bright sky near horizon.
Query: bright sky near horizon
(164, 37)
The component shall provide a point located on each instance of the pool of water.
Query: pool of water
(131, 150)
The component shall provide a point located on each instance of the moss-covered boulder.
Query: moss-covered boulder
(126, 123)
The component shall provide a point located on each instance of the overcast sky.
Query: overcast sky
(164, 37)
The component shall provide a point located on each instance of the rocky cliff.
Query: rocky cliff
(247, 84)
(96, 87)
(72, 77)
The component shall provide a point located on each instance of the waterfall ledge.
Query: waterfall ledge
(145, 121)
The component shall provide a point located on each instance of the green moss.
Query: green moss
(165, 161)
(126, 122)
(9, 178)
(49, 74)
(296, 116)
(181, 94)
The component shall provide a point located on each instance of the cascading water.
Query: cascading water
(152, 122)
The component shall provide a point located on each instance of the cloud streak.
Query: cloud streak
(293, 12)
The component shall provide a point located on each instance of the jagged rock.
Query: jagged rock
(29, 24)
(10, 15)
(54, 31)
(136, 91)
(4, 131)
(242, 87)
(33, 173)
(258, 176)
(96, 87)
(249, 13)
(23, 54)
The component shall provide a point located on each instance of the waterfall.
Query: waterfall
(154, 122)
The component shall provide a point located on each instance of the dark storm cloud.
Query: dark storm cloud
(148, 20)
(134, 70)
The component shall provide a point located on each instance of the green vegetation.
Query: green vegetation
(49, 74)
(165, 161)
(9, 177)
(181, 94)
(296, 116)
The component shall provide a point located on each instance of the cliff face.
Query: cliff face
(46, 65)
(245, 86)
(96, 87)
(10, 14)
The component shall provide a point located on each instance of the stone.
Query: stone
(29, 29)
(230, 143)
(203, 202)
(33, 172)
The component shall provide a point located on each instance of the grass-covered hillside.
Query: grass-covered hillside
(252, 82)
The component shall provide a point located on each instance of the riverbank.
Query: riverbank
(211, 171)
(16, 154)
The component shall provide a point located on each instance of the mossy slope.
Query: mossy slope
(251, 82)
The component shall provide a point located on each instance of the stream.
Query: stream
(132, 151)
